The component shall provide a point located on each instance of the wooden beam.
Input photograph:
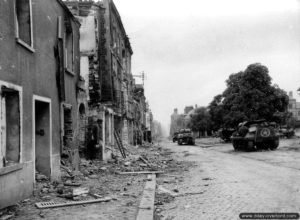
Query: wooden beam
(140, 172)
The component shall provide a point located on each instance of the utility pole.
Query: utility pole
(142, 76)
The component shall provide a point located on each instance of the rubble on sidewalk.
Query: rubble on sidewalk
(96, 180)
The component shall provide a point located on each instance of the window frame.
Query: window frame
(18, 39)
(69, 67)
(20, 90)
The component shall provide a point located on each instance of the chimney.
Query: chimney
(175, 111)
(290, 94)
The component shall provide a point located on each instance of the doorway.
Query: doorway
(42, 136)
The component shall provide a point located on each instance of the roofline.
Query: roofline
(118, 15)
(69, 12)
(120, 23)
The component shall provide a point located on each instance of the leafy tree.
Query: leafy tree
(285, 118)
(200, 120)
(216, 109)
(249, 95)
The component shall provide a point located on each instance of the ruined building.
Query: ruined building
(39, 87)
(140, 108)
(106, 67)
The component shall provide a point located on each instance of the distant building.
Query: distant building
(294, 107)
(177, 122)
(188, 109)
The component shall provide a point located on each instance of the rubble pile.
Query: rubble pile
(97, 179)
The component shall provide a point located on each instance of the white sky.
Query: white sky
(189, 48)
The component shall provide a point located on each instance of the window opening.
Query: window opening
(23, 20)
(10, 127)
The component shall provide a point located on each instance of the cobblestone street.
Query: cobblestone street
(225, 183)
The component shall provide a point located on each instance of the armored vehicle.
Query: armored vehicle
(286, 132)
(225, 134)
(175, 136)
(185, 136)
(255, 135)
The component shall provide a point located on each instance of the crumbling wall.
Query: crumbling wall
(87, 33)
(94, 81)
(104, 57)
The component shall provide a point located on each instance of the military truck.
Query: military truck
(185, 136)
(255, 135)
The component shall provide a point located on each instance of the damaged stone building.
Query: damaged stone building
(106, 52)
(39, 92)
(65, 67)
(143, 116)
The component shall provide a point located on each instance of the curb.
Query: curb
(146, 207)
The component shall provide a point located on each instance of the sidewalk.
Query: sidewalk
(101, 180)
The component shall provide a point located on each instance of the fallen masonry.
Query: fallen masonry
(96, 181)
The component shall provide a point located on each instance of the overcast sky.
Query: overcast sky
(189, 48)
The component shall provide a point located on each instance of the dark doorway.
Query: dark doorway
(42, 138)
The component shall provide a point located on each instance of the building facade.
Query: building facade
(39, 79)
(106, 68)
(294, 107)
(177, 122)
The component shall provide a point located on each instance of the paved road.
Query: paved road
(234, 182)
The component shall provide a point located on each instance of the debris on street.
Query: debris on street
(164, 190)
(118, 181)
(140, 172)
(43, 205)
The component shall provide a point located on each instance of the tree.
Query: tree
(285, 118)
(200, 120)
(249, 95)
(215, 110)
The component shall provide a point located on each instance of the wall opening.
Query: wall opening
(10, 127)
(42, 138)
(69, 45)
(82, 129)
(67, 128)
(107, 128)
(23, 20)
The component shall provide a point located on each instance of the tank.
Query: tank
(225, 134)
(185, 136)
(174, 138)
(256, 135)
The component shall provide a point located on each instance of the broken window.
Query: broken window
(10, 127)
(67, 126)
(23, 21)
(82, 124)
(69, 45)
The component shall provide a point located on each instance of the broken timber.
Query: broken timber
(145, 161)
(146, 208)
(140, 172)
(44, 205)
(164, 190)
